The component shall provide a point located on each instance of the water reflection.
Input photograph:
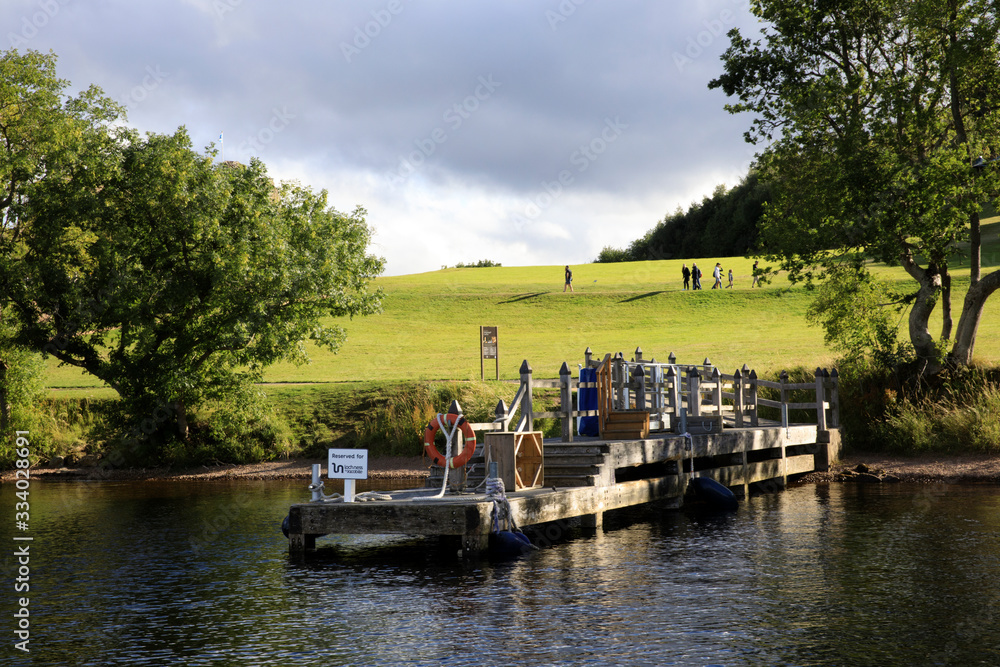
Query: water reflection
(199, 574)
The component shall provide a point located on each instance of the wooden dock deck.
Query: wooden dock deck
(606, 475)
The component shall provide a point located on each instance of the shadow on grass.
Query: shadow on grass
(641, 296)
(523, 297)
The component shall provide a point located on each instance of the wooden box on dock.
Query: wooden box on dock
(519, 459)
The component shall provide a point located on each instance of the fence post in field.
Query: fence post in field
(738, 404)
(527, 420)
(566, 399)
(820, 400)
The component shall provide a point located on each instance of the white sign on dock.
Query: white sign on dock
(347, 464)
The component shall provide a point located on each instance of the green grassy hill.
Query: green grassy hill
(430, 326)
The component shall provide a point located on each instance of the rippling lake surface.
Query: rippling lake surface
(199, 574)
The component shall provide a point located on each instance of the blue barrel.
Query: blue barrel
(587, 400)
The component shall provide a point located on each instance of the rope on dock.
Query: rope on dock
(358, 497)
(450, 435)
(502, 517)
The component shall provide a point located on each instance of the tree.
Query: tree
(173, 279)
(875, 112)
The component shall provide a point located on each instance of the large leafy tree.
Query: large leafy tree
(876, 115)
(173, 279)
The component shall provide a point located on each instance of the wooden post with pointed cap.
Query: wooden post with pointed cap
(527, 422)
(566, 402)
(639, 386)
(834, 399)
(820, 400)
(738, 406)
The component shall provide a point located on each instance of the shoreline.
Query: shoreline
(925, 469)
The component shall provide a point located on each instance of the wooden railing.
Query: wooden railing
(670, 392)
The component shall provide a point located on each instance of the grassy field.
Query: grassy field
(430, 325)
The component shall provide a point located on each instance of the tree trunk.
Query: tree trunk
(182, 422)
(920, 334)
(975, 249)
(968, 323)
(947, 321)
(929, 280)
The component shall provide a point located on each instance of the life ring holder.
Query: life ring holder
(458, 422)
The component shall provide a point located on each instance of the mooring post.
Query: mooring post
(317, 485)
(566, 401)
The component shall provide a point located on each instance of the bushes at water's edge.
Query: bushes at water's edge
(958, 413)
(388, 419)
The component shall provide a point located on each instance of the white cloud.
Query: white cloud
(520, 132)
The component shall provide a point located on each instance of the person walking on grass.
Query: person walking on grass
(755, 282)
(569, 280)
(730, 279)
(695, 277)
(686, 275)
(717, 274)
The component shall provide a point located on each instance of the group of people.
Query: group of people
(692, 276)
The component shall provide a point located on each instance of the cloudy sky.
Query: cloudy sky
(525, 132)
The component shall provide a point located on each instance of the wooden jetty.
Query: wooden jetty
(659, 424)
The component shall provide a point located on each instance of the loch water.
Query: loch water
(147, 573)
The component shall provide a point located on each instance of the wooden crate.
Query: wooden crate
(519, 457)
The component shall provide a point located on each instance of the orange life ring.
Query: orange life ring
(467, 433)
